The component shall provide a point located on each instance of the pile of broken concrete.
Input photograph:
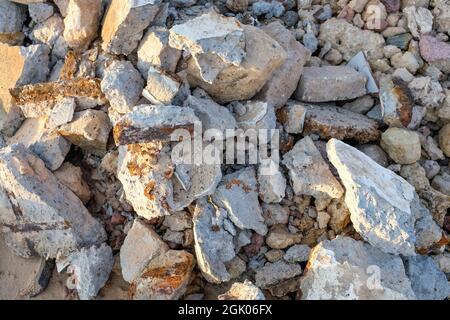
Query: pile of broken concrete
(94, 206)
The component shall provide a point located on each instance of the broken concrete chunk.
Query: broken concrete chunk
(344, 269)
(420, 20)
(37, 100)
(147, 123)
(383, 206)
(428, 282)
(360, 64)
(342, 83)
(22, 278)
(238, 194)
(164, 89)
(243, 291)
(154, 51)
(334, 122)
(275, 214)
(402, 145)
(11, 23)
(72, 177)
(48, 31)
(125, 22)
(280, 238)
(396, 102)
(141, 245)
(89, 270)
(213, 244)
(122, 85)
(40, 12)
(297, 253)
(273, 273)
(47, 145)
(165, 278)
(284, 80)
(272, 187)
(293, 118)
(211, 114)
(89, 130)
(81, 23)
(178, 221)
(309, 173)
(349, 39)
(61, 113)
(226, 59)
(145, 173)
(40, 216)
(256, 115)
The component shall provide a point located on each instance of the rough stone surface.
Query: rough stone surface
(346, 269)
(342, 83)
(403, 146)
(36, 207)
(273, 273)
(243, 291)
(72, 177)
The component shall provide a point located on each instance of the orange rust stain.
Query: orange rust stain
(149, 189)
(239, 183)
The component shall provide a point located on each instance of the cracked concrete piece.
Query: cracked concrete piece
(12, 18)
(89, 130)
(342, 83)
(72, 177)
(276, 272)
(383, 206)
(47, 145)
(61, 113)
(147, 123)
(125, 22)
(165, 278)
(238, 194)
(40, 216)
(346, 269)
(243, 291)
(396, 101)
(403, 146)
(122, 85)
(89, 270)
(213, 244)
(141, 245)
(309, 173)
(163, 88)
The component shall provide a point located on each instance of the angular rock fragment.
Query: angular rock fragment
(285, 79)
(20, 66)
(165, 278)
(243, 291)
(238, 194)
(402, 145)
(273, 273)
(141, 245)
(61, 113)
(40, 12)
(37, 100)
(433, 50)
(89, 130)
(125, 22)
(164, 89)
(342, 83)
(428, 282)
(122, 85)
(292, 117)
(309, 173)
(154, 51)
(384, 208)
(256, 115)
(360, 64)
(22, 278)
(145, 173)
(226, 59)
(334, 122)
(349, 39)
(12, 18)
(353, 270)
(72, 177)
(147, 123)
(47, 145)
(297, 253)
(275, 214)
(272, 187)
(213, 244)
(40, 216)
(81, 23)
(396, 102)
(280, 238)
(420, 20)
(89, 270)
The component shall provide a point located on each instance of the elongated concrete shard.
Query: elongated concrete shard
(384, 207)
(39, 215)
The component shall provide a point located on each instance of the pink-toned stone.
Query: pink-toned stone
(432, 49)
(391, 5)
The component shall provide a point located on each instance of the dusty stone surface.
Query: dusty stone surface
(403, 146)
(340, 270)
(72, 177)
(243, 291)
(62, 218)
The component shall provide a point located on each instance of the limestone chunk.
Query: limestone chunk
(61, 113)
(238, 194)
(309, 173)
(125, 22)
(164, 89)
(72, 177)
(165, 278)
(342, 83)
(396, 102)
(213, 244)
(273, 273)
(141, 245)
(40, 216)
(89, 130)
(243, 291)
(402, 145)
(81, 23)
(344, 269)
(293, 118)
(11, 22)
